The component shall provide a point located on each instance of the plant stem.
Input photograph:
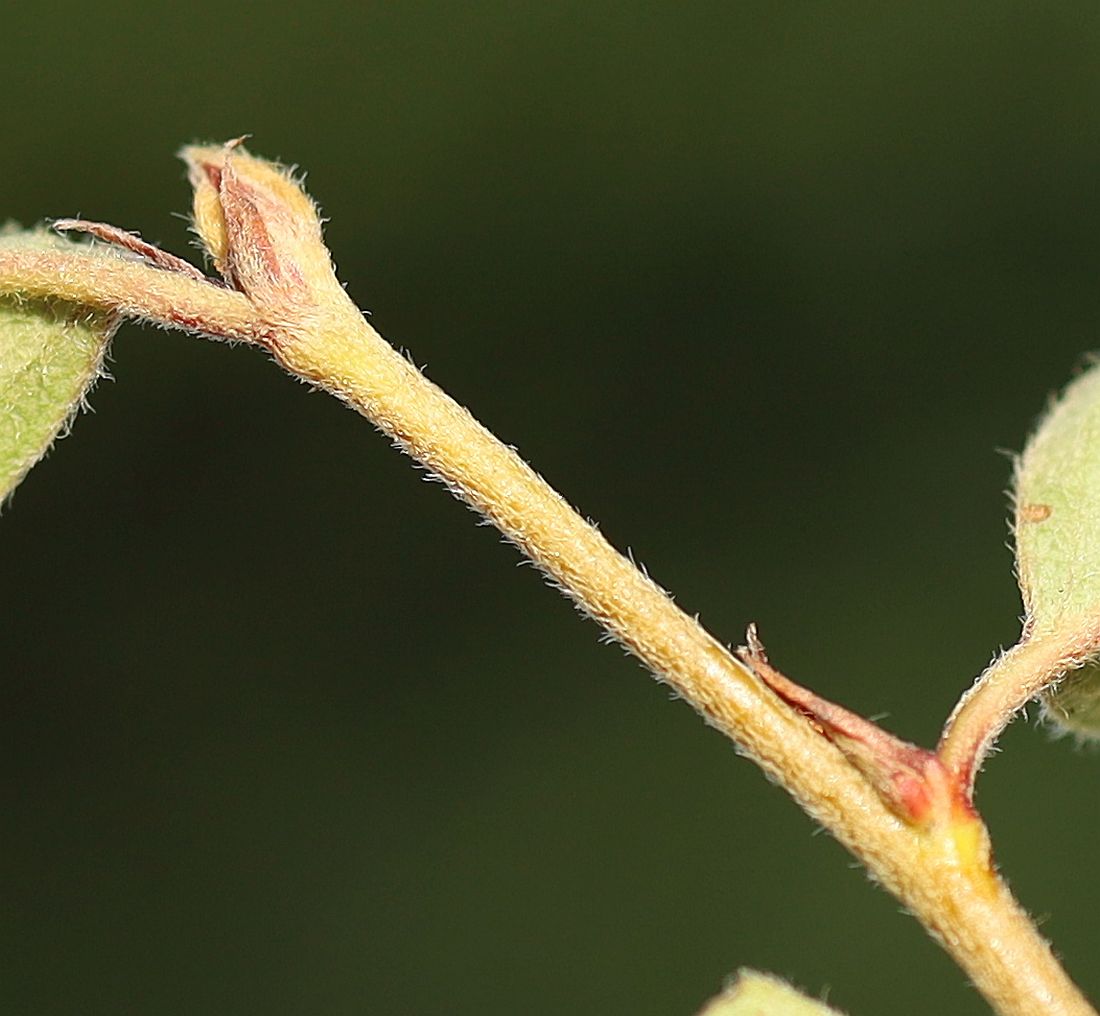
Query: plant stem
(1006, 686)
(266, 239)
(942, 874)
(132, 288)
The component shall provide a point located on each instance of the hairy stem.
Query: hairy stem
(130, 287)
(943, 874)
(265, 238)
(1006, 686)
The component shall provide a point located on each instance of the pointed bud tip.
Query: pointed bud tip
(207, 165)
(257, 223)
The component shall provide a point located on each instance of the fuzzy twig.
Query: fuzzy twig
(265, 239)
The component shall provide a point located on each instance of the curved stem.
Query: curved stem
(1003, 689)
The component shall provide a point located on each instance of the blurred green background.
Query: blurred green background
(763, 287)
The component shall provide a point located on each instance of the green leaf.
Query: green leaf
(1058, 545)
(51, 353)
(1074, 704)
(756, 994)
(1058, 510)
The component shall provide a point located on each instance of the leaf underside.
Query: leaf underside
(51, 353)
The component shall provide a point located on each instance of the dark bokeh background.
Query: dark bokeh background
(762, 287)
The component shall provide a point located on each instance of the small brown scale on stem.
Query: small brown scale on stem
(912, 781)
